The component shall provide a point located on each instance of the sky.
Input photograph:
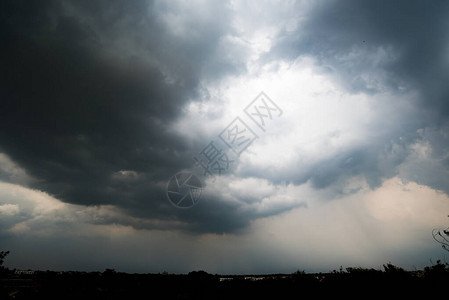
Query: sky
(105, 104)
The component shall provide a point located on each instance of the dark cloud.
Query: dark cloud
(89, 89)
(373, 48)
(345, 36)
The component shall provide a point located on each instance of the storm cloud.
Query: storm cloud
(102, 102)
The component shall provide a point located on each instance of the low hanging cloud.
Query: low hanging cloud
(359, 228)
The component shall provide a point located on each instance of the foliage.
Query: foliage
(437, 269)
(3, 255)
(390, 268)
(442, 237)
(359, 270)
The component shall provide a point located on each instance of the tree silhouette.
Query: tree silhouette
(3, 270)
(442, 237)
(3, 255)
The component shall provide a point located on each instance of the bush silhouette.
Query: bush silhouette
(3, 255)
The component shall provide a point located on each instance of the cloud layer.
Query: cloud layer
(101, 103)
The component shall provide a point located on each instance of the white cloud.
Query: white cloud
(10, 171)
(35, 213)
(187, 20)
(369, 228)
(9, 209)
(427, 159)
(320, 120)
(256, 197)
(127, 176)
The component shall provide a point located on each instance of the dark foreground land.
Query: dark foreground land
(351, 283)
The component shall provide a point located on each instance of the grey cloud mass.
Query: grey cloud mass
(91, 91)
(373, 47)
